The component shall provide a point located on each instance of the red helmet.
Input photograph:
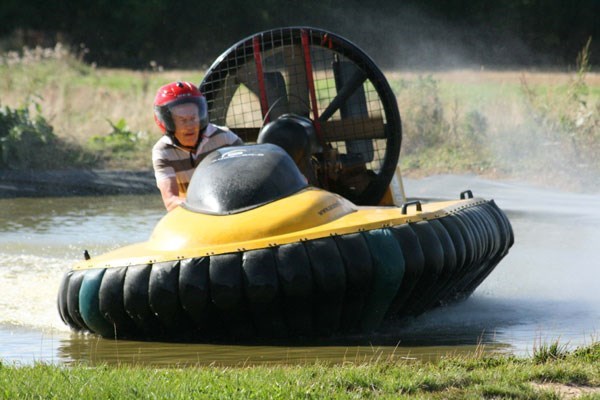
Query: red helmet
(172, 95)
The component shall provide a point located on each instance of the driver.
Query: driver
(180, 111)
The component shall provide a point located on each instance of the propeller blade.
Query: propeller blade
(356, 81)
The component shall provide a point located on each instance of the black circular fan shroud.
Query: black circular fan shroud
(320, 75)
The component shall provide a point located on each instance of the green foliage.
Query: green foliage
(120, 140)
(21, 136)
(28, 142)
(589, 354)
(120, 144)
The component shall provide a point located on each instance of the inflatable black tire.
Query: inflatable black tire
(112, 304)
(318, 288)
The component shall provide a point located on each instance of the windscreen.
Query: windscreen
(237, 178)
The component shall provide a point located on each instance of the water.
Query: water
(544, 290)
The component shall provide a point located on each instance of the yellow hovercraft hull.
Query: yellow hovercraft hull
(309, 265)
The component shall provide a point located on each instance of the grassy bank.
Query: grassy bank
(537, 126)
(551, 373)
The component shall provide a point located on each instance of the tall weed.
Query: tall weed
(424, 124)
(546, 352)
(563, 127)
(437, 137)
(122, 147)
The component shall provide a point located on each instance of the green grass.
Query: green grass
(454, 377)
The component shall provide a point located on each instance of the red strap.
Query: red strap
(264, 106)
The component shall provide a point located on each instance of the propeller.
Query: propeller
(319, 75)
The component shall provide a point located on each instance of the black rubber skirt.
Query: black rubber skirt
(336, 285)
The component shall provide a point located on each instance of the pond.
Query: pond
(545, 290)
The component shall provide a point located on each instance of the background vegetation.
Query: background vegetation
(398, 34)
(473, 105)
(58, 111)
(541, 127)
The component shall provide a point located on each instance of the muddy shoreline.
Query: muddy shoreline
(97, 182)
(75, 183)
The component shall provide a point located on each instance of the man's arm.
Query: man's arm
(170, 193)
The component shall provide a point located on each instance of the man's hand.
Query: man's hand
(170, 193)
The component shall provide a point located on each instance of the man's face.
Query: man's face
(187, 123)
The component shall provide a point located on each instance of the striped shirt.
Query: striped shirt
(170, 160)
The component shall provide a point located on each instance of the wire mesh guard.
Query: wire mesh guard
(316, 74)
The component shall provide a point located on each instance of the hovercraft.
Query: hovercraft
(289, 238)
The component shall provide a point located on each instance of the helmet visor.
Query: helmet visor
(166, 112)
